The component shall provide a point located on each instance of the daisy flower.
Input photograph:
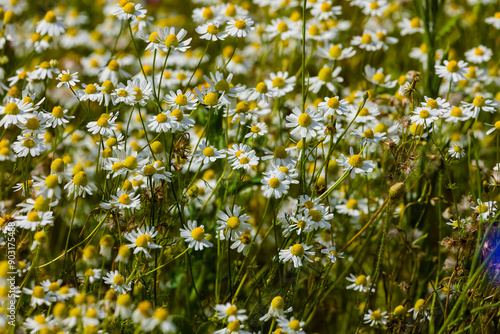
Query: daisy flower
(369, 136)
(485, 209)
(222, 86)
(326, 77)
(242, 245)
(323, 10)
(79, 186)
(494, 20)
(105, 125)
(236, 150)
(378, 77)
(410, 27)
(156, 171)
(209, 97)
(478, 55)
(210, 31)
(276, 309)
(306, 123)
(43, 71)
(117, 282)
(424, 116)
(495, 127)
(234, 327)
(280, 84)
(332, 254)
(375, 318)
(295, 254)
(112, 72)
(39, 296)
(195, 235)
(332, 105)
(246, 160)
(230, 312)
(58, 117)
(34, 220)
(457, 114)
(239, 28)
(122, 201)
(128, 11)
(182, 121)
(30, 144)
(124, 93)
(283, 28)
(256, 130)
(292, 326)
(163, 122)
(480, 103)
(50, 25)
(368, 41)
(439, 105)
(366, 114)
(356, 164)
(336, 52)
(123, 308)
(93, 275)
(178, 100)
(15, 111)
(420, 310)
(375, 7)
(169, 40)
(300, 223)
(275, 184)
(452, 70)
(234, 223)
(67, 79)
(39, 323)
(92, 92)
(142, 240)
(359, 283)
(280, 156)
(207, 153)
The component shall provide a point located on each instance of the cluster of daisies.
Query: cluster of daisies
(139, 142)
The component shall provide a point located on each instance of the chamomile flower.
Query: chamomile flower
(50, 25)
(366, 115)
(296, 254)
(239, 28)
(452, 70)
(112, 72)
(122, 201)
(378, 77)
(230, 312)
(142, 240)
(275, 184)
(332, 254)
(280, 84)
(163, 122)
(195, 235)
(246, 160)
(58, 117)
(169, 40)
(29, 145)
(39, 296)
(478, 55)
(481, 104)
(369, 136)
(376, 318)
(39, 323)
(300, 223)
(67, 79)
(34, 220)
(207, 153)
(211, 31)
(424, 116)
(117, 282)
(223, 86)
(336, 52)
(332, 105)
(242, 244)
(233, 222)
(79, 186)
(368, 41)
(485, 209)
(359, 283)
(420, 310)
(93, 275)
(182, 121)
(353, 207)
(15, 111)
(292, 326)
(123, 307)
(494, 20)
(457, 114)
(356, 164)
(92, 92)
(209, 97)
(305, 123)
(234, 327)
(276, 309)
(105, 125)
(326, 77)
(179, 100)
(410, 27)
(280, 156)
(323, 10)
(259, 129)
(374, 7)
(495, 127)
(128, 11)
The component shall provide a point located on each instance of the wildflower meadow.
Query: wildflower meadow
(249, 166)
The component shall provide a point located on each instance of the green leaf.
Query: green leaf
(206, 328)
(183, 326)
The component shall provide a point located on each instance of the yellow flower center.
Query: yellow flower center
(40, 319)
(232, 310)
(379, 77)
(280, 152)
(33, 217)
(301, 224)
(364, 112)
(415, 22)
(234, 326)
(399, 311)
(479, 101)
(9, 17)
(81, 179)
(335, 51)
(50, 17)
(51, 181)
(497, 125)
(143, 240)
(376, 315)
(419, 305)
(255, 129)
(130, 163)
(314, 30)
(374, 5)
(66, 77)
(233, 223)
(244, 160)
(352, 204)
(456, 112)
(103, 120)
(262, 87)
(124, 300)
(424, 114)
(153, 37)
(38, 292)
(458, 149)
(366, 39)
(325, 74)
(278, 303)
(326, 7)
(483, 208)
(161, 118)
(240, 24)
(333, 103)
(356, 161)
(478, 52)
(284, 170)
(33, 124)
(11, 109)
(274, 183)
(279, 82)
(304, 120)
(198, 233)
(41, 204)
(368, 134)
(58, 112)
(113, 66)
(171, 41)
(231, 11)
(432, 104)
(54, 286)
(211, 99)
(181, 100)
(124, 199)
(90, 89)
(119, 280)
(361, 280)
(297, 250)
(315, 215)
(29, 143)
(208, 13)
(452, 67)
(282, 27)
(208, 151)
(129, 8)
(294, 325)
(177, 114)
(213, 29)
